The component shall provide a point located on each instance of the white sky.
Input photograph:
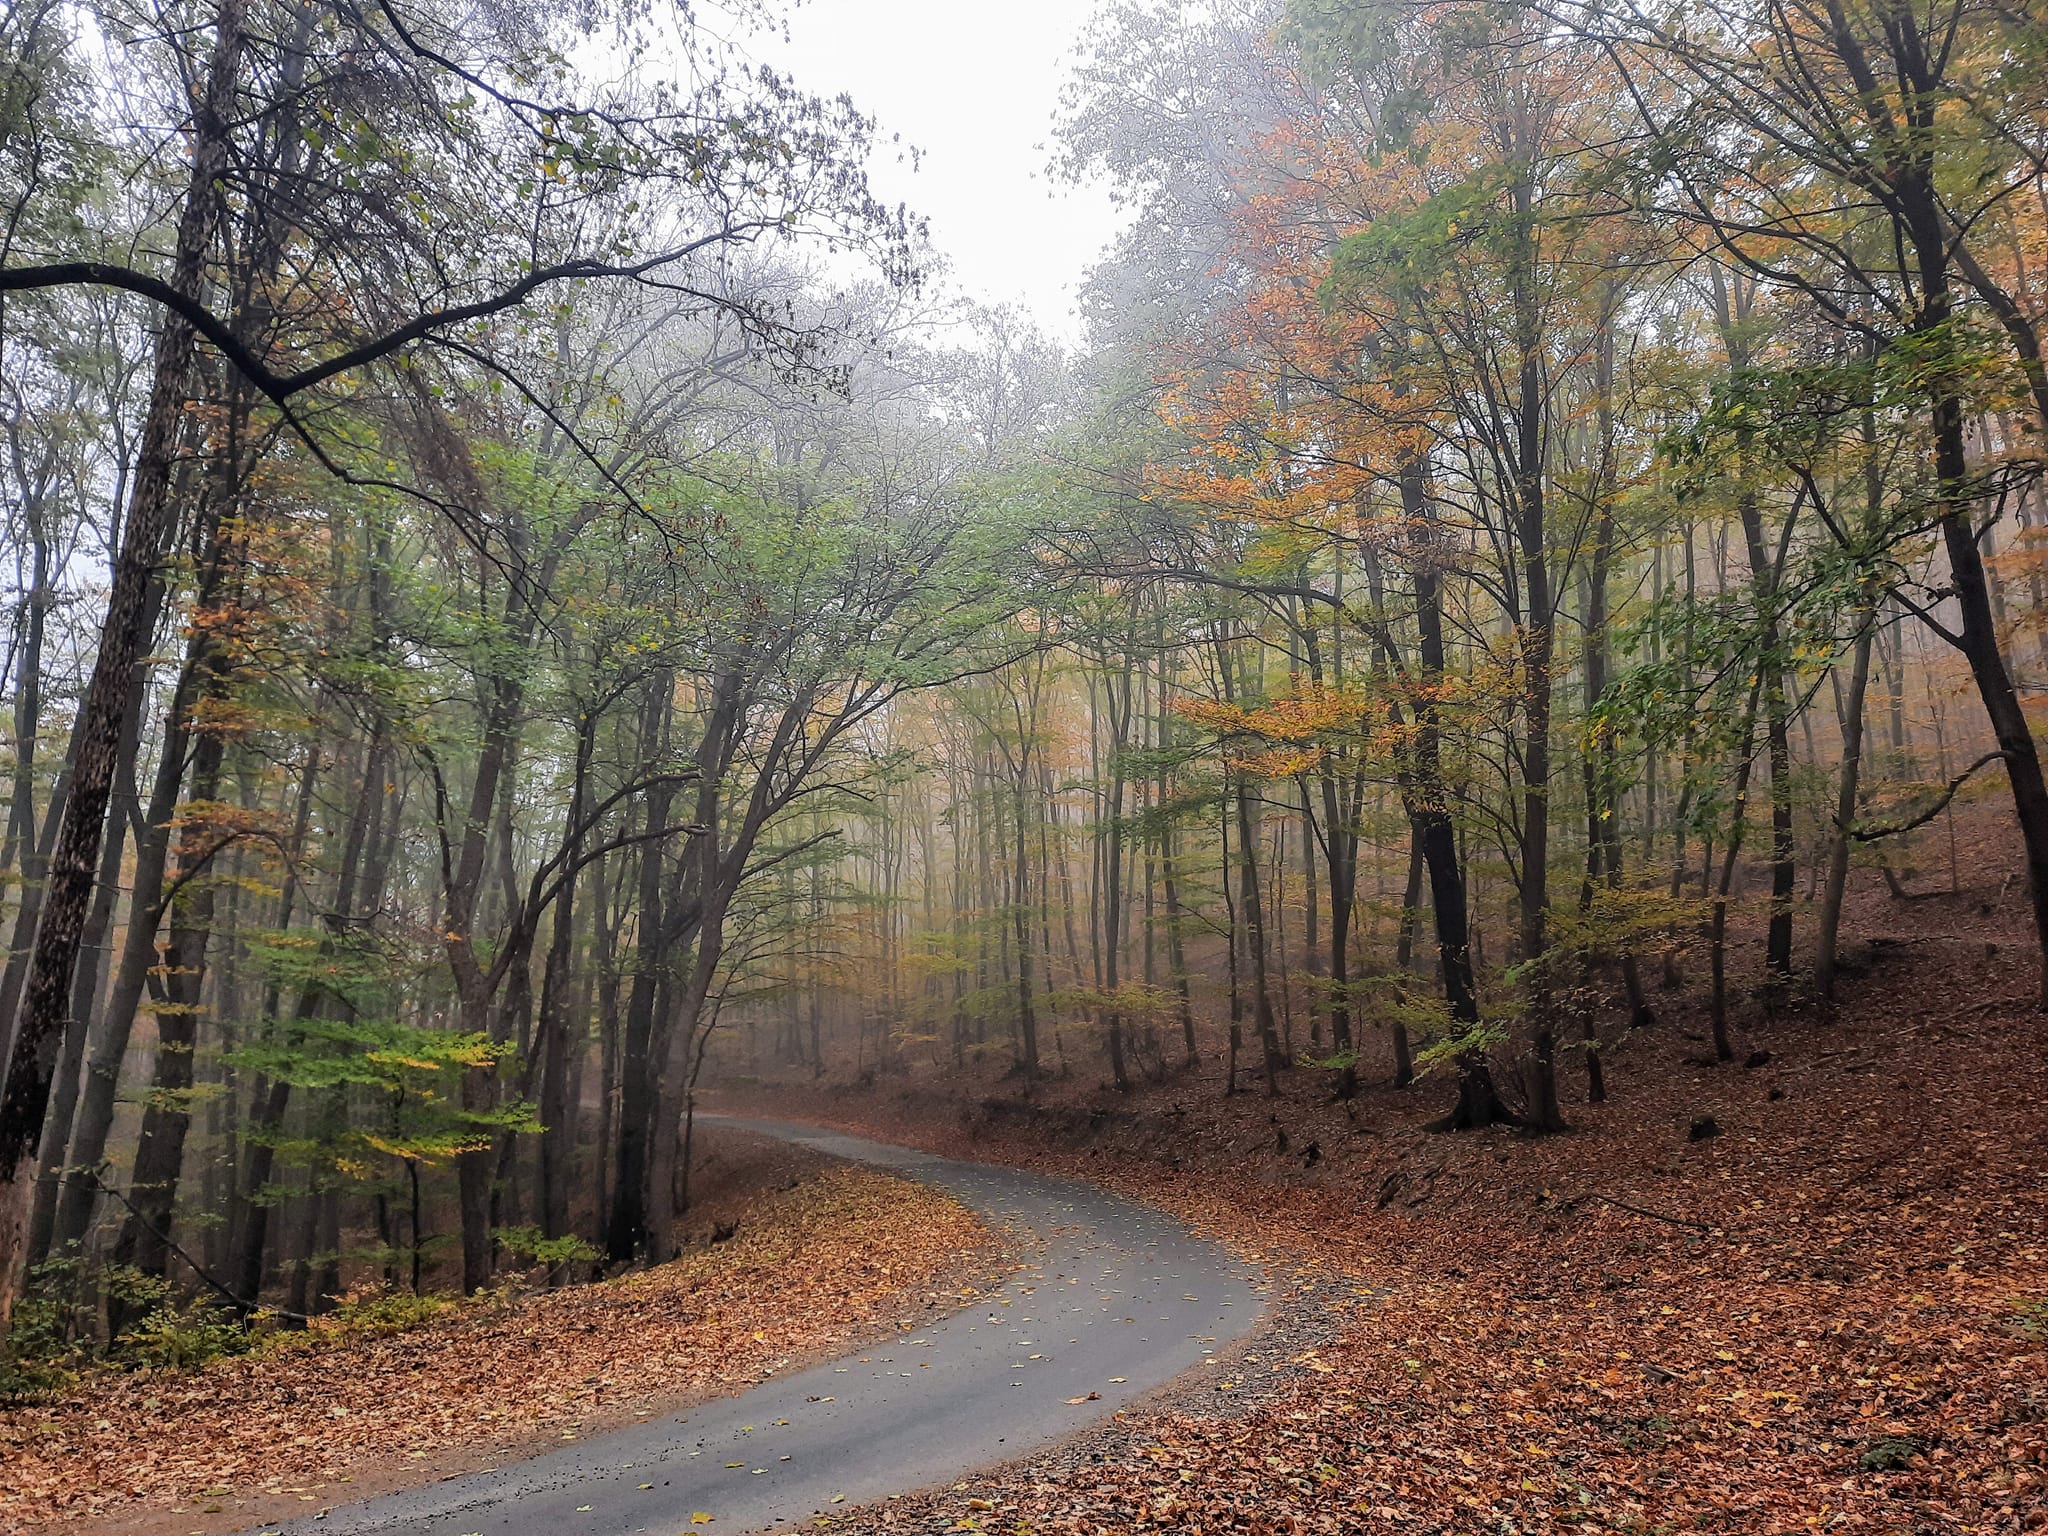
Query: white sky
(972, 84)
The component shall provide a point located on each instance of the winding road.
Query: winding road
(1114, 1300)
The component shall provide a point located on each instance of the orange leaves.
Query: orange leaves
(1310, 710)
(1223, 719)
(1290, 733)
(1306, 711)
(206, 827)
(808, 1269)
(1286, 408)
(227, 820)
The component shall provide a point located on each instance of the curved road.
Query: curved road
(1115, 1299)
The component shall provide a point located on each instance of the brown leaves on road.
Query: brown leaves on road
(809, 1269)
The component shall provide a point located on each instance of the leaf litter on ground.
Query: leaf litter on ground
(810, 1269)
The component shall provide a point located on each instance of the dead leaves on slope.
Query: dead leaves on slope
(1845, 1340)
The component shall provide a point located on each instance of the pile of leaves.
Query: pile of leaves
(807, 1270)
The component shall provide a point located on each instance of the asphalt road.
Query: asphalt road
(1115, 1299)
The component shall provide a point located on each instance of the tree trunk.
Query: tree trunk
(558, 1131)
(1404, 948)
(1252, 905)
(1430, 826)
(96, 733)
(636, 1069)
(166, 1116)
(1717, 928)
(1169, 885)
(1113, 881)
(76, 1200)
(1027, 1018)
(1978, 637)
(1784, 877)
(1845, 809)
(86, 983)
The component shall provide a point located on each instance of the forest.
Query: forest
(539, 616)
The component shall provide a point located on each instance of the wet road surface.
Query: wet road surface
(1114, 1300)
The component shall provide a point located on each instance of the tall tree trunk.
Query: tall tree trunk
(558, 1131)
(1232, 937)
(146, 904)
(1404, 948)
(1978, 636)
(1430, 823)
(1777, 726)
(1113, 871)
(636, 1068)
(1717, 927)
(1251, 903)
(1537, 651)
(1340, 846)
(1020, 912)
(23, 840)
(1843, 834)
(1169, 888)
(86, 982)
(270, 1096)
(36, 604)
(96, 733)
(167, 1116)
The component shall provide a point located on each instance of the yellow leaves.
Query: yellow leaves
(1279, 764)
(410, 1153)
(1292, 732)
(1306, 711)
(1215, 715)
(701, 1518)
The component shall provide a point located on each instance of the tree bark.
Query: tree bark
(1824, 963)
(1777, 726)
(146, 904)
(86, 983)
(96, 733)
(636, 1070)
(1252, 905)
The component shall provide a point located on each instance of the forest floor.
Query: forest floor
(1807, 1290)
(821, 1255)
(1827, 1310)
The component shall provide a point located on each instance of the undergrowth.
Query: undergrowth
(78, 1318)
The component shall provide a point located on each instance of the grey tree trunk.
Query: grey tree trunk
(1825, 954)
(96, 734)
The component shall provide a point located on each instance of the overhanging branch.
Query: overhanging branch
(1894, 828)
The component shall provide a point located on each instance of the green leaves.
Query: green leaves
(409, 1079)
(532, 1245)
